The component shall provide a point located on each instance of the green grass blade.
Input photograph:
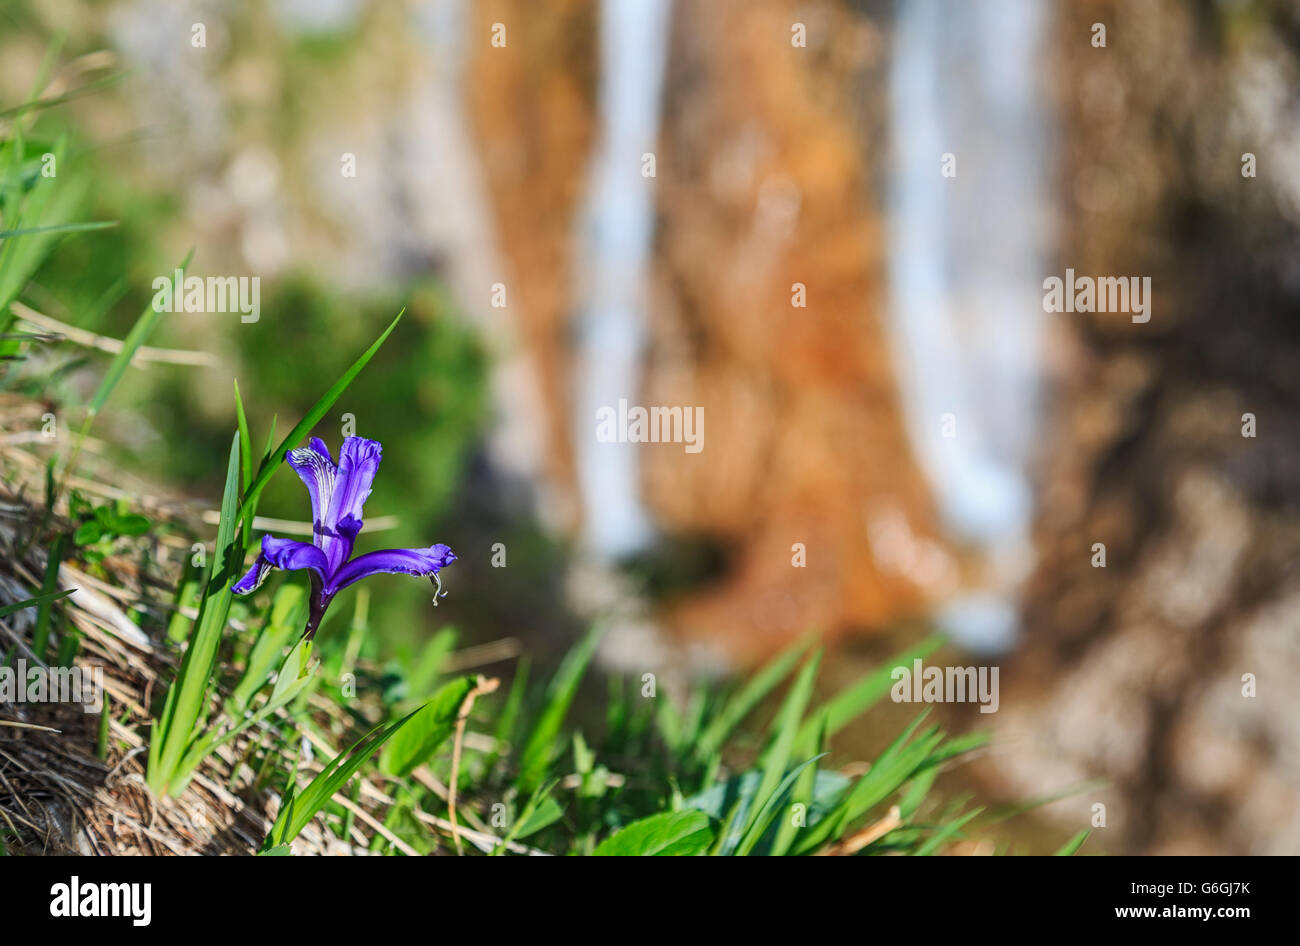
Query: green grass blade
(245, 440)
(776, 757)
(936, 841)
(188, 694)
(45, 616)
(287, 618)
(802, 794)
(1071, 847)
(17, 606)
(541, 748)
(749, 696)
(139, 334)
(856, 699)
(293, 818)
(424, 735)
(58, 228)
(313, 416)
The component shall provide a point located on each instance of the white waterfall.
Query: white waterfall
(617, 227)
(967, 257)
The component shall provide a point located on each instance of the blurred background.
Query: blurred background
(826, 224)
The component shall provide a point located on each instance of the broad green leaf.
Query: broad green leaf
(672, 833)
(429, 728)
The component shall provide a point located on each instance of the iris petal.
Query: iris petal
(287, 554)
(316, 469)
(291, 555)
(358, 463)
(421, 562)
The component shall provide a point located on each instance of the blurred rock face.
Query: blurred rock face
(764, 194)
(1138, 666)
(532, 106)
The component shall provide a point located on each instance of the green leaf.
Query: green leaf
(1071, 847)
(293, 818)
(749, 696)
(139, 334)
(293, 675)
(245, 439)
(898, 763)
(187, 696)
(49, 589)
(88, 533)
(17, 606)
(541, 748)
(672, 833)
(431, 726)
(802, 794)
(856, 699)
(777, 755)
(536, 802)
(130, 524)
(59, 228)
(543, 815)
(313, 416)
(943, 834)
(288, 617)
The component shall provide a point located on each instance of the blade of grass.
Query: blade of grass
(777, 755)
(313, 416)
(59, 228)
(17, 606)
(187, 696)
(860, 696)
(41, 635)
(292, 819)
(541, 748)
(749, 696)
(802, 794)
(1071, 847)
(139, 334)
(935, 841)
(245, 441)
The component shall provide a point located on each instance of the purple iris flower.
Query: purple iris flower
(338, 492)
